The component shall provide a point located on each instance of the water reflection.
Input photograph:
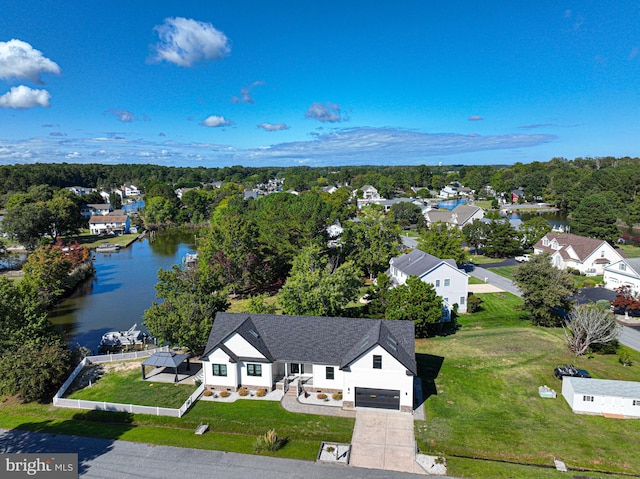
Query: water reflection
(123, 287)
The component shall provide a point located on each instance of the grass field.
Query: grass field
(506, 271)
(233, 426)
(630, 251)
(127, 387)
(485, 403)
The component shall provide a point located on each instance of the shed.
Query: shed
(602, 396)
(166, 359)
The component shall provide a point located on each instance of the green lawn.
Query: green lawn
(506, 271)
(92, 241)
(482, 259)
(233, 426)
(474, 280)
(581, 279)
(630, 251)
(485, 403)
(127, 387)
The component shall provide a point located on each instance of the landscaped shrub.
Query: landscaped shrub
(474, 303)
(243, 391)
(624, 356)
(269, 442)
(322, 396)
(207, 392)
(261, 392)
(225, 394)
(337, 396)
(588, 283)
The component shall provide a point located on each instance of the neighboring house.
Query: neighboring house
(81, 190)
(449, 282)
(517, 195)
(131, 190)
(625, 272)
(602, 396)
(371, 362)
(329, 189)
(370, 193)
(457, 217)
(588, 255)
(181, 191)
(251, 194)
(449, 191)
(116, 222)
(91, 209)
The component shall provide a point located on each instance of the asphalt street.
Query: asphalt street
(106, 459)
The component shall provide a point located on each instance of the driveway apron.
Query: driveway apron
(384, 440)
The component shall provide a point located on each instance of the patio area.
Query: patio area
(168, 375)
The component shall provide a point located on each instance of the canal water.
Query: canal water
(122, 288)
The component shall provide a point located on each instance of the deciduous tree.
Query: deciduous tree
(443, 242)
(545, 289)
(588, 324)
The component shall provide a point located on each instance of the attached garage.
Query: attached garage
(378, 398)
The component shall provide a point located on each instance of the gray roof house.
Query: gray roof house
(458, 217)
(450, 283)
(371, 362)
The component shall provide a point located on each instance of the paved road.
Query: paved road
(630, 337)
(492, 278)
(100, 458)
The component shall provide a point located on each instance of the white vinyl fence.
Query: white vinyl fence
(59, 401)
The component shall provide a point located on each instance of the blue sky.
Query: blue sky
(283, 83)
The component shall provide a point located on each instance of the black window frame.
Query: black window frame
(254, 370)
(377, 361)
(221, 370)
(330, 373)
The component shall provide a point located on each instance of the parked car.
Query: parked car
(522, 259)
(570, 370)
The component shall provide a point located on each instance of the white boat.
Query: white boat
(108, 248)
(116, 340)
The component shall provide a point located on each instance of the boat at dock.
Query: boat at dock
(115, 341)
(108, 248)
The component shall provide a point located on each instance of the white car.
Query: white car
(523, 258)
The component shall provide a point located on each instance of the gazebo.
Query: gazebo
(166, 359)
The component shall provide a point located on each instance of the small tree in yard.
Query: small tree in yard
(546, 290)
(588, 325)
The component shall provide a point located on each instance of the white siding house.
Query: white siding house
(602, 396)
(449, 282)
(371, 362)
(114, 223)
(588, 255)
(625, 272)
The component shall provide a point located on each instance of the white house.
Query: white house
(602, 396)
(371, 362)
(369, 193)
(131, 190)
(116, 222)
(588, 255)
(91, 209)
(625, 272)
(449, 282)
(458, 217)
(449, 191)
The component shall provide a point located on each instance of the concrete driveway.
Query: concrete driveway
(384, 440)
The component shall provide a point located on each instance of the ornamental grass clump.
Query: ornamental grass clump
(243, 391)
(269, 442)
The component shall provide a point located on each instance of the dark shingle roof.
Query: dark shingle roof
(417, 262)
(317, 339)
(163, 359)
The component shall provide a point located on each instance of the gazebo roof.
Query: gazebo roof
(165, 359)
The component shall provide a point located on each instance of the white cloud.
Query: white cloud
(21, 61)
(185, 41)
(215, 121)
(273, 126)
(124, 116)
(325, 112)
(24, 97)
(73, 155)
(348, 146)
(475, 118)
(245, 93)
